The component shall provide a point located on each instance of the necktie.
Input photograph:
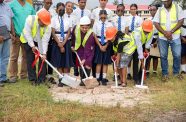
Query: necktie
(62, 28)
(132, 24)
(119, 23)
(82, 13)
(102, 34)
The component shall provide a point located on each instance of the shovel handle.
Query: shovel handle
(115, 73)
(81, 65)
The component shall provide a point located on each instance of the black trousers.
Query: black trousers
(30, 57)
(135, 67)
(76, 71)
(49, 56)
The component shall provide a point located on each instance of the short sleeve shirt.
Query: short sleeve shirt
(20, 15)
(6, 15)
(124, 22)
(77, 13)
(56, 20)
(137, 22)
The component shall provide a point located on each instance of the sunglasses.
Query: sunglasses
(103, 18)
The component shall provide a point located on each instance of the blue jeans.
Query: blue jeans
(176, 52)
(4, 58)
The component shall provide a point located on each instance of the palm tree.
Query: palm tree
(115, 2)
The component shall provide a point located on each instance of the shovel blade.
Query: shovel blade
(70, 81)
(90, 82)
(141, 87)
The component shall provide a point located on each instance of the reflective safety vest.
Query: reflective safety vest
(144, 38)
(78, 37)
(33, 21)
(173, 17)
(129, 48)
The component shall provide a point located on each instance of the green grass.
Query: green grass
(24, 102)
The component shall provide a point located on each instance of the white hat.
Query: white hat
(85, 20)
(164, 0)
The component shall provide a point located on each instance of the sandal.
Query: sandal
(124, 84)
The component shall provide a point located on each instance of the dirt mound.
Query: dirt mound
(102, 96)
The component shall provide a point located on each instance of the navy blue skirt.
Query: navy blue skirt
(103, 57)
(183, 49)
(62, 60)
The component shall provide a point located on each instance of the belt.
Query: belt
(59, 32)
(184, 26)
(100, 37)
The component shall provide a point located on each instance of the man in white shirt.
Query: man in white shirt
(81, 11)
(168, 20)
(95, 12)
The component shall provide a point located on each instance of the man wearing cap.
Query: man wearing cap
(143, 37)
(168, 20)
(35, 37)
(83, 41)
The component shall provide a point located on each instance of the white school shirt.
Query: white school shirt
(98, 26)
(56, 20)
(137, 22)
(168, 22)
(71, 18)
(77, 13)
(155, 30)
(124, 22)
(95, 14)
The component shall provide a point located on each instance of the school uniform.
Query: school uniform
(183, 34)
(61, 60)
(134, 23)
(102, 57)
(80, 13)
(85, 51)
(120, 22)
(95, 14)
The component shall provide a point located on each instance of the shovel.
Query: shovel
(115, 76)
(141, 86)
(66, 79)
(89, 82)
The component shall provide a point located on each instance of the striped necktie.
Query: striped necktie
(82, 13)
(119, 23)
(102, 34)
(132, 24)
(62, 28)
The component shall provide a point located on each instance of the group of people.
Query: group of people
(96, 36)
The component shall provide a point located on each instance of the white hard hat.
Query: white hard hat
(85, 20)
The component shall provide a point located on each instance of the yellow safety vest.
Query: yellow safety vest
(144, 38)
(173, 17)
(78, 37)
(33, 23)
(129, 48)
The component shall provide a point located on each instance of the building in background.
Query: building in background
(143, 10)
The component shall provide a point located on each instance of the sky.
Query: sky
(93, 3)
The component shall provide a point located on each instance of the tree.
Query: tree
(115, 2)
(181, 2)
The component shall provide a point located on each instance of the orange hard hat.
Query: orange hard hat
(44, 16)
(110, 33)
(147, 25)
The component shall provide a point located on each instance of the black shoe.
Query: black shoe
(104, 82)
(147, 74)
(51, 80)
(5, 81)
(37, 83)
(60, 84)
(2, 85)
(129, 77)
(82, 84)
